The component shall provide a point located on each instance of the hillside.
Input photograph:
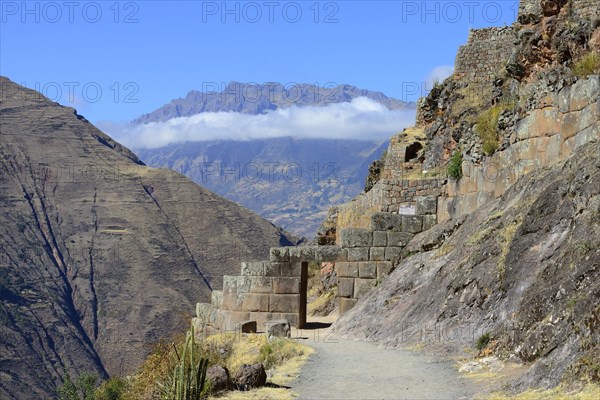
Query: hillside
(507, 156)
(290, 182)
(101, 257)
(524, 268)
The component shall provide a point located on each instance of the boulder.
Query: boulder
(218, 378)
(278, 328)
(251, 376)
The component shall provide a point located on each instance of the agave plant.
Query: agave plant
(187, 379)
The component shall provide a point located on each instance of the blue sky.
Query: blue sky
(142, 54)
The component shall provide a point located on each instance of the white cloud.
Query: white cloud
(438, 74)
(361, 118)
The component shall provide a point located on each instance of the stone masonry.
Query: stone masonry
(570, 119)
(276, 289)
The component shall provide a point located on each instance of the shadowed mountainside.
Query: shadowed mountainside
(287, 181)
(100, 256)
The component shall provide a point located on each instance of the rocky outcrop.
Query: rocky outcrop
(513, 262)
(100, 256)
(524, 268)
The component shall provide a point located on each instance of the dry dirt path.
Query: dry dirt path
(345, 369)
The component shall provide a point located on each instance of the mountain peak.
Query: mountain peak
(254, 98)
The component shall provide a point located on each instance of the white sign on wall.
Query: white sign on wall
(407, 210)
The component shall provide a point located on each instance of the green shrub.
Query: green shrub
(587, 65)
(112, 389)
(483, 341)
(455, 165)
(487, 129)
(82, 389)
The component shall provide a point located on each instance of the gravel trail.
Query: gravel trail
(345, 369)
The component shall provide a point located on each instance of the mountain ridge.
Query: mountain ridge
(102, 256)
(251, 98)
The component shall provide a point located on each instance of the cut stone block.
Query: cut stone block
(346, 287)
(383, 269)
(295, 254)
(383, 221)
(429, 221)
(292, 318)
(248, 327)
(328, 253)
(203, 311)
(286, 285)
(279, 254)
(273, 268)
(377, 253)
(256, 268)
(236, 284)
(362, 286)
(284, 303)
(412, 223)
(255, 302)
(216, 298)
(345, 304)
(291, 269)
(356, 237)
(346, 269)
(380, 238)
(392, 253)
(261, 284)
(399, 239)
(367, 269)
(232, 319)
(232, 301)
(358, 254)
(426, 205)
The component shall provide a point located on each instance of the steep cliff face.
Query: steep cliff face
(100, 256)
(516, 252)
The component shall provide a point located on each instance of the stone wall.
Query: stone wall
(570, 119)
(484, 56)
(584, 10)
(401, 183)
(276, 289)
(577, 10)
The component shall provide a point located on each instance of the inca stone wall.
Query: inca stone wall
(484, 56)
(570, 119)
(276, 289)
(577, 9)
(584, 10)
(401, 184)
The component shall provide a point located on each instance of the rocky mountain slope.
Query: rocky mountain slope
(524, 268)
(100, 256)
(251, 98)
(515, 266)
(287, 181)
